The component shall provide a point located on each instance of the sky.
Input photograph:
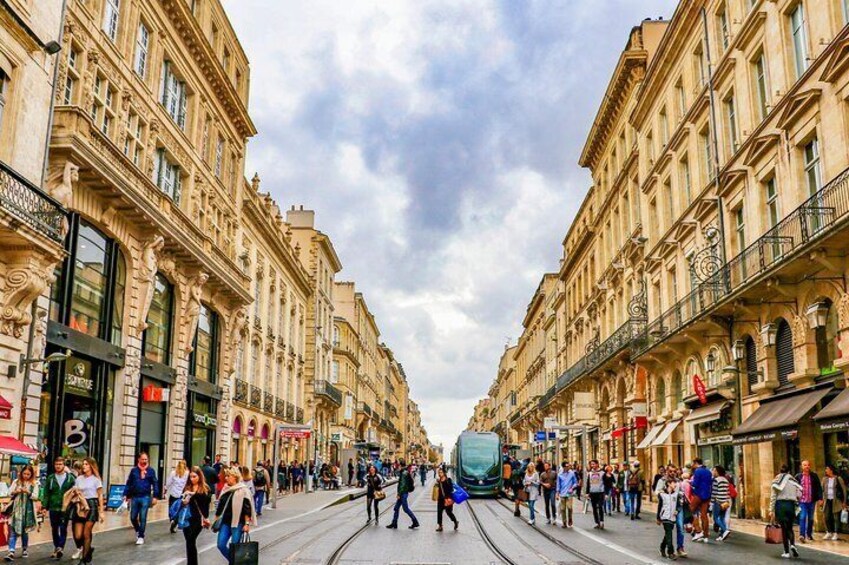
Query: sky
(438, 143)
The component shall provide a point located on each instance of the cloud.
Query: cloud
(438, 142)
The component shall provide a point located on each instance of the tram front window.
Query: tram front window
(479, 457)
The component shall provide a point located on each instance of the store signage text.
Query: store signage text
(834, 426)
(765, 436)
(714, 440)
(699, 389)
(207, 420)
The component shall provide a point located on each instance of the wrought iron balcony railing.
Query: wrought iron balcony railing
(324, 388)
(299, 415)
(546, 398)
(241, 393)
(815, 218)
(290, 411)
(268, 402)
(280, 408)
(31, 205)
(571, 374)
(256, 397)
(364, 408)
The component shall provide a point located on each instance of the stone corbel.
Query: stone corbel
(26, 278)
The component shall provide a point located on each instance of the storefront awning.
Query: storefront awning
(665, 433)
(709, 413)
(835, 416)
(777, 418)
(590, 431)
(650, 436)
(13, 446)
(5, 409)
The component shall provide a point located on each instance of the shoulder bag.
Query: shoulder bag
(772, 534)
(246, 552)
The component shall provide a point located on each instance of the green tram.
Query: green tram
(477, 463)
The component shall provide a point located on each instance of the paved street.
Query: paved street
(302, 532)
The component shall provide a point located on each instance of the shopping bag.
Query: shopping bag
(434, 494)
(844, 516)
(772, 534)
(246, 552)
(459, 495)
(174, 509)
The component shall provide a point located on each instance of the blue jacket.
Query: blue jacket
(138, 487)
(567, 483)
(701, 482)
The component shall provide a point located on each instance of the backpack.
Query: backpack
(411, 483)
(732, 490)
(634, 480)
(259, 477)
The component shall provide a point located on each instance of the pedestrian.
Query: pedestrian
(701, 482)
(141, 492)
(668, 508)
(423, 473)
(297, 473)
(636, 485)
(681, 517)
(618, 488)
(374, 493)
(215, 466)
(197, 497)
(626, 494)
(661, 473)
(350, 471)
(720, 501)
(405, 487)
(548, 481)
(55, 487)
(247, 480)
(444, 502)
(174, 486)
(609, 488)
(518, 486)
(567, 483)
(594, 489)
(811, 495)
(785, 493)
(90, 488)
(261, 481)
(833, 501)
(235, 512)
(210, 474)
(22, 519)
(361, 473)
(532, 488)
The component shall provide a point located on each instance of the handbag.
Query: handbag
(434, 493)
(844, 516)
(246, 552)
(459, 495)
(379, 494)
(216, 525)
(772, 534)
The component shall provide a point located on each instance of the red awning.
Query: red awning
(5, 409)
(13, 446)
(619, 432)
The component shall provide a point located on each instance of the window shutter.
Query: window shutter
(181, 119)
(161, 163)
(163, 83)
(177, 187)
(784, 352)
(751, 362)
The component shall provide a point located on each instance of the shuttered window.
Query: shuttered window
(784, 352)
(751, 362)
(172, 94)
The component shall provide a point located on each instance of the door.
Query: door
(78, 411)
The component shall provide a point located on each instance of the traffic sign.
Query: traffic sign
(539, 436)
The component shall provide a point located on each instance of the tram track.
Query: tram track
(487, 539)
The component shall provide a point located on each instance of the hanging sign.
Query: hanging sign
(78, 382)
(295, 433)
(583, 404)
(152, 393)
(699, 389)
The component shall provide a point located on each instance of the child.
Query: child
(668, 506)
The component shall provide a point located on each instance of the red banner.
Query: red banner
(294, 433)
(152, 393)
(699, 389)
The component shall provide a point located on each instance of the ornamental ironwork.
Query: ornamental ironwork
(638, 306)
(241, 393)
(31, 205)
(593, 344)
(707, 262)
(268, 402)
(256, 397)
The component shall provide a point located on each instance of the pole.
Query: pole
(308, 472)
(276, 466)
(584, 446)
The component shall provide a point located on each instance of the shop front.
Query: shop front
(712, 425)
(236, 439)
(668, 445)
(204, 394)
(203, 423)
(153, 417)
(833, 423)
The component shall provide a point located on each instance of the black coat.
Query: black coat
(446, 489)
(373, 483)
(816, 486)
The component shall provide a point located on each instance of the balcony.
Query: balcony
(29, 204)
(546, 398)
(290, 411)
(280, 408)
(514, 417)
(240, 394)
(364, 408)
(299, 415)
(811, 222)
(324, 388)
(268, 403)
(256, 397)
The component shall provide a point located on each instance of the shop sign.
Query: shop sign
(834, 426)
(207, 420)
(152, 393)
(638, 409)
(765, 436)
(714, 440)
(336, 437)
(583, 404)
(5, 413)
(549, 423)
(295, 433)
(76, 382)
(699, 389)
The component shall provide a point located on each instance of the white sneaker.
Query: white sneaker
(531, 522)
(785, 555)
(698, 537)
(78, 553)
(140, 541)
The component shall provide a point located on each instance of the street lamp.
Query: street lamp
(738, 350)
(710, 365)
(768, 333)
(817, 314)
(56, 357)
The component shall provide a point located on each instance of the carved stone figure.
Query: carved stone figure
(24, 283)
(193, 308)
(147, 277)
(60, 183)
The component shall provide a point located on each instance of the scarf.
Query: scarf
(240, 494)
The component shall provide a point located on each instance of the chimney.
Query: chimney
(300, 218)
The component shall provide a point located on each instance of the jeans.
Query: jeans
(627, 497)
(806, 519)
(371, 501)
(440, 508)
(785, 513)
(531, 504)
(259, 497)
(138, 514)
(828, 513)
(13, 539)
(597, 501)
(679, 530)
(227, 535)
(636, 503)
(402, 503)
(719, 517)
(549, 500)
(58, 528)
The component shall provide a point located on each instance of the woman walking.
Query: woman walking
(175, 485)
(721, 501)
(833, 501)
(91, 489)
(235, 513)
(785, 493)
(24, 491)
(444, 502)
(531, 483)
(196, 497)
(374, 484)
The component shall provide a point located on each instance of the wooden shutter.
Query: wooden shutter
(751, 362)
(784, 352)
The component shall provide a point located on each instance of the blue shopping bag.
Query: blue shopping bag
(459, 496)
(174, 509)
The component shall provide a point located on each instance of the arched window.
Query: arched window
(751, 362)
(157, 336)
(826, 340)
(660, 397)
(677, 393)
(784, 352)
(692, 370)
(203, 361)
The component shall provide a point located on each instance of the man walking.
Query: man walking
(548, 480)
(671, 478)
(142, 492)
(811, 494)
(567, 483)
(210, 475)
(594, 489)
(636, 484)
(350, 471)
(60, 482)
(261, 481)
(405, 487)
(702, 485)
(423, 473)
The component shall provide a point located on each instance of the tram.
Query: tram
(477, 463)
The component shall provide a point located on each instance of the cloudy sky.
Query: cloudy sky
(438, 143)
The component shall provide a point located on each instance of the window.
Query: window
(257, 297)
(157, 335)
(686, 189)
(707, 154)
(650, 148)
(771, 203)
(826, 339)
(4, 89)
(166, 175)
(664, 128)
(70, 87)
(800, 39)
(335, 336)
(740, 228)
(102, 113)
(699, 65)
(731, 121)
(845, 11)
(204, 356)
(761, 88)
(751, 362)
(134, 142)
(784, 352)
(225, 60)
(670, 202)
(813, 176)
(110, 18)
(173, 94)
(219, 156)
(660, 397)
(681, 97)
(722, 28)
(142, 40)
(334, 374)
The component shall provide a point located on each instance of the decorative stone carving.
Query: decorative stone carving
(147, 278)
(25, 281)
(60, 183)
(193, 308)
(39, 340)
